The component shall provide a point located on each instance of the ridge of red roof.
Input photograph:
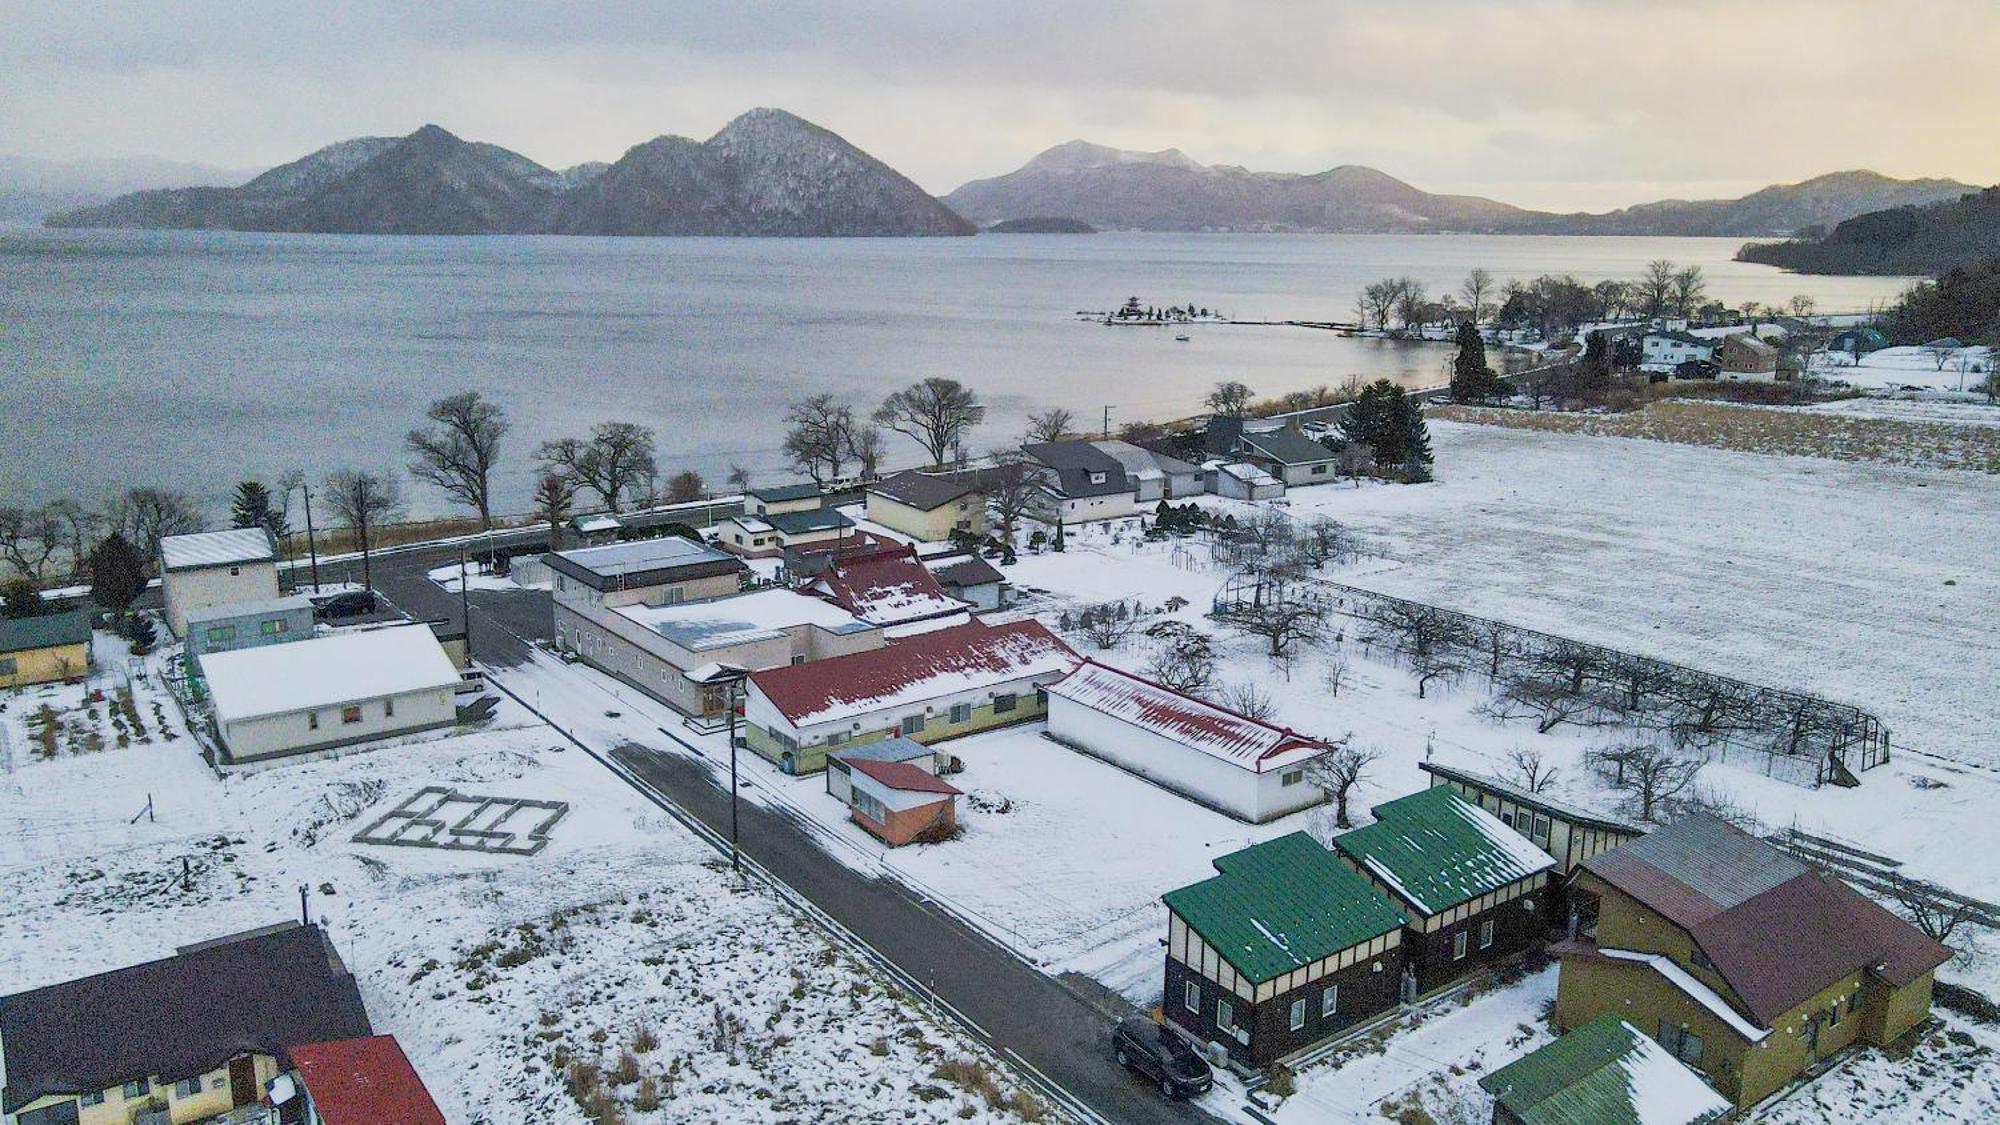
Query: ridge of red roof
(364, 1082)
(807, 692)
(892, 584)
(904, 776)
(1196, 721)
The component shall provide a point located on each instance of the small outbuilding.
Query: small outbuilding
(48, 649)
(970, 579)
(226, 628)
(1241, 480)
(284, 701)
(366, 1081)
(900, 803)
(840, 766)
(771, 535)
(1606, 1072)
(928, 507)
(1247, 768)
(216, 568)
(1289, 455)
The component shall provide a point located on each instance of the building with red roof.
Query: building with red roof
(898, 802)
(354, 1082)
(1245, 767)
(888, 588)
(928, 687)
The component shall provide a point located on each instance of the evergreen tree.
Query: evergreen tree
(117, 573)
(1057, 543)
(1416, 441)
(19, 598)
(1596, 364)
(140, 630)
(250, 506)
(1378, 421)
(1471, 379)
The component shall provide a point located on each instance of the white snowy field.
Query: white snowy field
(1964, 369)
(1868, 584)
(496, 972)
(1952, 409)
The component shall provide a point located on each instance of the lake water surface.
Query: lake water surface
(194, 359)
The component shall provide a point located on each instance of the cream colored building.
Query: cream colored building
(928, 506)
(42, 650)
(216, 568)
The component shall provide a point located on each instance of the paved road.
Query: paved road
(1020, 1008)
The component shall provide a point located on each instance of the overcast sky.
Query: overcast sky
(1591, 103)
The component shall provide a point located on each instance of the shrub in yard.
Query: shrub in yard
(1030, 1108)
(879, 1047)
(604, 1109)
(1281, 1082)
(627, 1070)
(648, 1097)
(584, 1081)
(644, 1040)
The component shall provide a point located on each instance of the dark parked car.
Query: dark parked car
(1697, 369)
(1158, 1053)
(354, 603)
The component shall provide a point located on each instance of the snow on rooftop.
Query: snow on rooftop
(1698, 992)
(1663, 1091)
(325, 671)
(1225, 735)
(642, 555)
(965, 658)
(741, 618)
(1514, 849)
(216, 548)
(888, 589)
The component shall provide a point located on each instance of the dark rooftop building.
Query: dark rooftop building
(260, 993)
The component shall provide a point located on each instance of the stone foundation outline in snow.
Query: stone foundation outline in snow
(437, 817)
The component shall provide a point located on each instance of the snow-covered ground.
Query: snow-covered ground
(1951, 409)
(496, 972)
(477, 576)
(1964, 369)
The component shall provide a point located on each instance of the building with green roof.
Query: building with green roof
(1473, 889)
(1604, 1073)
(1283, 947)
(45, 649)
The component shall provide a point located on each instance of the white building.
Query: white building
(1240, 480)
(1668, 349)
(216, 568)
(311, 697)
(1234, 764)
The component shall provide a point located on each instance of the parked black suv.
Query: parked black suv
(1160, 1054)
(354, 603)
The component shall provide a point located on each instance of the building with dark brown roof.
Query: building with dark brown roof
(1746, 963)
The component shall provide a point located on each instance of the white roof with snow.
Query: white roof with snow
(1225, 735)
(216, 548)
(326, 672)
(741, 619)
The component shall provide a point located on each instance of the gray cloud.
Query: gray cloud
(1564, 103)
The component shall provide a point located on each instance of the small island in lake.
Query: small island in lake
(1044, 224)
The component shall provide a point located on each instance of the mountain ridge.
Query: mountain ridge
(768, 172)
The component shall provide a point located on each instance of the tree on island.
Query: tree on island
(1471, 379)
(1477, 291)
(458, 451)
(363, 501)
(616, 459)
(935, 413)
(117, 574)
(1229, 398)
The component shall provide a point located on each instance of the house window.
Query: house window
(1298, 1014)
(1833, 1017)
(1004, 703)
(234, 571)
(221, 634)
(1685, 1044)
(1458, 946)
(1486, 934)
(1291, 777)
(138, 1088)
(913, 724)
(676, 595)
(1097, 478)
(9, 665)
(1541, 828)
(961, 712)
(869, 807)
(92, 1097)
(1191, 995)
(350, 714)
(271, 628)
(187, 1087)
(388, 708)
(1319, 470)
(1225, 1015)
(312, 720)
(1329, 1001)
(798, 658)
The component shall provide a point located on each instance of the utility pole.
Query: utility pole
(312, 544)
(464, 604)
(1107, 423)
(735, 856)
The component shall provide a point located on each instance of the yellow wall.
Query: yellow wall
(116, 1109)
(47, 665)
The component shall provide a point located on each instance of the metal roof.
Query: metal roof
(1695, 868)
(25, 634)
(1604, 1073)
(1435, 849)
(216, 548)
(784, 493)
(904, 776)
(364, 1082)
(925, 491)
(233, 611)
(1238, 740)
(1074, 461)
(798, 523)
(643, 562)
(345, 667)
(1574, 814)
(1287, 446)
(955, 660)
(1282, 905)
(740, 619)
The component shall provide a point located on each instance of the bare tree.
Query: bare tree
(819, 436)
(1184, 662)
(363, 501)
(1279, 622)
(1106, 626)
(1476, 290)
(1940, 352)
(80, 527)
(616, 459)
(1529, 768)
(1434, 666)
(554, 494)
(29, 538)
(1690, 287)
(458, 451)
(1339, 771)
(1011, 487)
(1229, 398)
(1650, 776)
(147, 515)
(1655, 288)
(1378, 301)
(1802, 305)
(1053, 424)
(1246, 699)
(936, 413)
(1412, 300)
(1937, 913)
(865, 443)
(685, 486)
(1335, 674)
(738, 478)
